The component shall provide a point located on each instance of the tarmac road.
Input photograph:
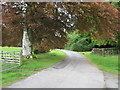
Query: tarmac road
(73, 72)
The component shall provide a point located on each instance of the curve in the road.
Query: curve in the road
(74, 72)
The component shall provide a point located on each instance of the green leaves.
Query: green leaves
(79, 42)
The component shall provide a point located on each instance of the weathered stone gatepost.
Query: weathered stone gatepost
(26, 45)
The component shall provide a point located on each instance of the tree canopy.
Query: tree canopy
(49, 22)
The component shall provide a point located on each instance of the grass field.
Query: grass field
(105, 63)
(9, 49)
(31, 66)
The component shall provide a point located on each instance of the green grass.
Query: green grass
(31, 66)
(10, 49)
(105, 63)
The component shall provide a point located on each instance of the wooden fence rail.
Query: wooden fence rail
(9, 60)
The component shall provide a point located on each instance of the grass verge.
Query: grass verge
(105, 63)
(31, 66)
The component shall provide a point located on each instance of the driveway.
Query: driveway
(73, 72)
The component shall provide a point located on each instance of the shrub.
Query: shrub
(39, 51)
(79, 42)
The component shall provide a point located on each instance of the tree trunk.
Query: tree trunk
(26, 43)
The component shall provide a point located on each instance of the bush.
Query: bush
(40, 51)
(79, 42)
(82, 45)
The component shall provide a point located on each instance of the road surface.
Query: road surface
(73, 72)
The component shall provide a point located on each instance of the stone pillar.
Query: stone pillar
(26, 45)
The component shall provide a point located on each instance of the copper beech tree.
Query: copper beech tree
(47, 23)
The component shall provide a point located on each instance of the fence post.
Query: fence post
(1, 54)
(21, 57)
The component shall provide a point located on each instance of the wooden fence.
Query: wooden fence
(9, 60)
(105, 51)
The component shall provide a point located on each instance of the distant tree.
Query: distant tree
(79, 42)
(116, 4)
